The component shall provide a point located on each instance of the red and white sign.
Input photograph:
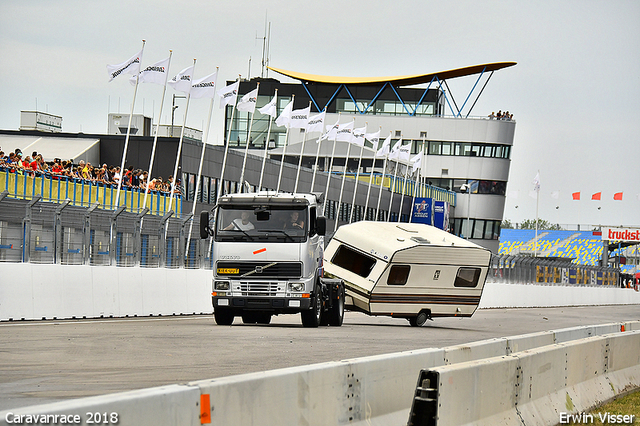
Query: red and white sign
(621, 234)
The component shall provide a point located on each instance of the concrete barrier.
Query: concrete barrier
(32, 291)
(378, 390)
(533, 387)
(502, 295)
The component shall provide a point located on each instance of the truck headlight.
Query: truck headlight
(296, 286)
(221, 285)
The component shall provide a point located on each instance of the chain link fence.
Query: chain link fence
(39, 231)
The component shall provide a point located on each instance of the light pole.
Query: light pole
(173, 109)
(465, 188)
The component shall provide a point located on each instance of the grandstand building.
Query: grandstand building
(465, 154)
(589, 248)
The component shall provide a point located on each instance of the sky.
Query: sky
(573, 93)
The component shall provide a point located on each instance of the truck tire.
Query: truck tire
(223, 316)
(335, 315)
(313, 316)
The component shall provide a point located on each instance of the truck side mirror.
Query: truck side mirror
(321, 225)
(205, 231)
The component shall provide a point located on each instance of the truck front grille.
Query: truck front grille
(258, 288)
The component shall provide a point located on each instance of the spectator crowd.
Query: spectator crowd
(501, 116)
(34, 165)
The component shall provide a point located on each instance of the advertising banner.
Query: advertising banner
(621, 234)
(422, 211)
(441, 215)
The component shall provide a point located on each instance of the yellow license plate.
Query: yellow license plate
(228, 271)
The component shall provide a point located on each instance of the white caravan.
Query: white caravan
(407, 270)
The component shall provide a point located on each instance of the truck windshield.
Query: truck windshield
(262, 223)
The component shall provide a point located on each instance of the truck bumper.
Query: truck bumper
(265, 304)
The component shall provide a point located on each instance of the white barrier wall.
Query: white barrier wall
(537, 386)
(33, 291)
(379, 390)
(501, 295)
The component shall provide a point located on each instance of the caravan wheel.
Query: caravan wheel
(419, 320)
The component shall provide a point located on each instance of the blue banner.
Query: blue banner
(422, 211)
(441, 215)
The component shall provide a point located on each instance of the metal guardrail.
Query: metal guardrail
(514, 269)
(40, 231)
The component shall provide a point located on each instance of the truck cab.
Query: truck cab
(268, 253)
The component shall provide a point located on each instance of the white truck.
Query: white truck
(268, 259)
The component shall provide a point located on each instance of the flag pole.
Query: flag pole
(226, 149)
(395, 176)
(384, 172)
(184, 123)
(266, 146)
(344, 175)
(246, 148)
(333, 153)
(355, 186)
(284, 148)
(205, 140)
(155, 137)
(404, 188)
(304, 140)
(417, 184)
(366, 203)
(126, 140)
(315, 167)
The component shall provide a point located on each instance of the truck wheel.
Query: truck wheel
(336, 313)
(223, 316)
(419, 320)
(312, 317)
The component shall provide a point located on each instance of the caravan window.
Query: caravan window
(467, 277)
(353, 261)
(398, 275)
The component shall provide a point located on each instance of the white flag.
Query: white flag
(536, 182)
(330, 134)
(228, 94)
(156, 73)
(299, 118)
(404, 153)
(182, 81)
(345, 132)
(130, 66)
(285, 116)
(395, 151)
(417, 162)
(204, 87)
(316, 122)
(248, 102)
(384, 149)
(374, 138)
(270, 108)
(358, 136)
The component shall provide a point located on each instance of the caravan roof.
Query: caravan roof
(384, 239)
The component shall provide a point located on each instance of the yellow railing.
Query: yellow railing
(84, 193)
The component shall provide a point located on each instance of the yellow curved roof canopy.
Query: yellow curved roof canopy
(403, 80)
